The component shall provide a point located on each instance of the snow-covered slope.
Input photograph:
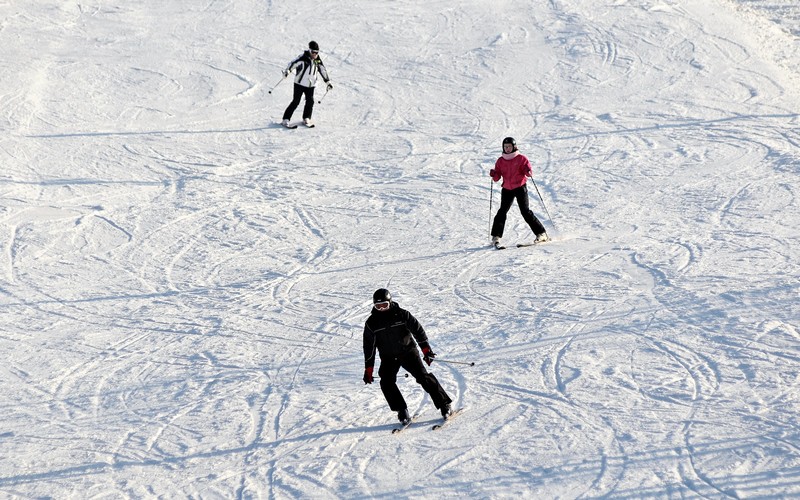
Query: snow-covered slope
(183, 283)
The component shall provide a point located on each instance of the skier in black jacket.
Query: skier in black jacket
(391, 330)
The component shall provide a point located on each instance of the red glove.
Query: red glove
(428, 355)
(368, 375)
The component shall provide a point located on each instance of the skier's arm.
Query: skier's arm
(292, 65)
(495, 172)
(416, 330)
(422, 339)
(526, 169)
(369, 347)
(323, 71)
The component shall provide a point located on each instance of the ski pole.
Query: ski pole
(470, 363)
(543, 205)
(276, 85)
(405, 375)
(491, 199)
(323, 96)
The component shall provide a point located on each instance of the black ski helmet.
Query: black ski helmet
(312, 45)
(381, 295)
(512, 141)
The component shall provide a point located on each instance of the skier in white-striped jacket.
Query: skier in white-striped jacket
(306, 67)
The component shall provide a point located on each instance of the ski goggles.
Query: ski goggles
(382, 306)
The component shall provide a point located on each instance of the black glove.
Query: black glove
(428, 355)
(368, 375)
(330, 85)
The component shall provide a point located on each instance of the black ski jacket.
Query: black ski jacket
(391, 332)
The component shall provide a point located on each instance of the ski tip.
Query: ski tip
(449, 418)
(405, 426)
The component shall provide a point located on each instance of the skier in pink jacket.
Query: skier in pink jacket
(515, 169)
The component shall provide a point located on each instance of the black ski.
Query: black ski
(498, 246)
(445, 420)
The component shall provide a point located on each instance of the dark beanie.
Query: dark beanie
(313, 45)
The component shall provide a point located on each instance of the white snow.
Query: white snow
(183, 282)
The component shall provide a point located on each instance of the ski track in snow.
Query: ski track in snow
(184, 284)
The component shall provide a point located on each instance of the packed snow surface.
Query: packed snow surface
(184, 283)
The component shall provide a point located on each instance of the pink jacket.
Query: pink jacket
(513, 168)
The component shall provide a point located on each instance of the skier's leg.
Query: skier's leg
(388, 373)
(412, 363)
(527, 214)
(298, 94)
(499, 224)
(309, 107)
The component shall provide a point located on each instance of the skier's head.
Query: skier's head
(313, 46)
(512, 142)
(382, 299)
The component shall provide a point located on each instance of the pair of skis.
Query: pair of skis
(498, 246)
(293, 126)
(433, 428)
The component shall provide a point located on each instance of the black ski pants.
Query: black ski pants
(412, 363)
(507, 197)
(299, 92)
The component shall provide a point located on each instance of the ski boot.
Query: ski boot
(403, 416)
(447, 410)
